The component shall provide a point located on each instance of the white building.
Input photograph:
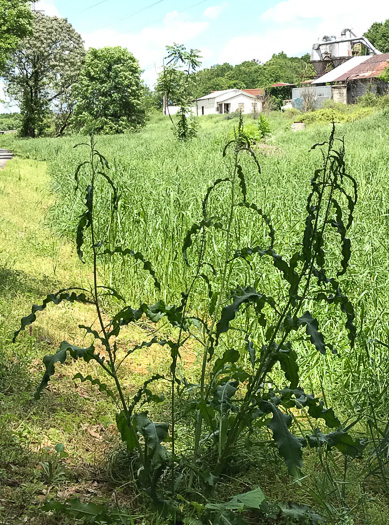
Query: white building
(230, 100)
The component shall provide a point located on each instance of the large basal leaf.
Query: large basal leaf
(127, 433)
(289, 446)
(339, 439)
(154, 434)
(59, 357)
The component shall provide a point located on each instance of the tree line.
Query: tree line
(59, 86)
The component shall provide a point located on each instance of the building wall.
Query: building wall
(339, 94)
(358, 88)
(318, 93)
(244, 104)
(209, 106)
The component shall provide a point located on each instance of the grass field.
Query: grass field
(161, 185)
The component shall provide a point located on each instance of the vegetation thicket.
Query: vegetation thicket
(178, 215)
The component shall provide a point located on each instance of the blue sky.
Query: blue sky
(223, 30)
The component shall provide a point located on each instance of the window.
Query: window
(202, 110)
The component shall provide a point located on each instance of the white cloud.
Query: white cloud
(330, 17)
(214, 12)
(148, 46)
(48, 7)
(293, 26)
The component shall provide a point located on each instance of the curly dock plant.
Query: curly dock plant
(249, 375)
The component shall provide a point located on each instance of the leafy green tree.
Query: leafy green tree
(41, 71)
(109, 92)
(15, 23)
(378, 34)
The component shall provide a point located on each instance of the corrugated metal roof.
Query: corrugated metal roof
(227, 94)
(215, 94)
(371, 68)
(332, 76)
(256, 92)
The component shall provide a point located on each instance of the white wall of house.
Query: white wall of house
(224, 104)
(206, 106)
(243, 103)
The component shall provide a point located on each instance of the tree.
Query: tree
(109, 92)
(15, 23)
(179, 77)
(40, 73)
(378, 34)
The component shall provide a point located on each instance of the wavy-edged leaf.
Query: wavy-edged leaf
(127, 430)
(345, 306)
(289, 446)
(287, 270)
(242, 181)
(115, 197)
(208, 193)
(154, 434)
(194, 230)
(312, 329)
(229, 356)
(345, 242)
(339, 439)
(49, 361)
(248, 295)
(262, 214)
(56, 298)
(143, 390)
(137, 256)
(96, 382)
(288, 361)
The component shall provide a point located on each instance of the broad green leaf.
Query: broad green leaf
(250, 500)
(229, 356)
(289, 446)
(127, 433)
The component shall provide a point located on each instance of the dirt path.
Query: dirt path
(5, 156)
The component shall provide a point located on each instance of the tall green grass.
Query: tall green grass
(161, 183)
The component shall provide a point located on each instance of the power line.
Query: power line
(131, 15)
(181, 11)
(149, 7)
(94, 5)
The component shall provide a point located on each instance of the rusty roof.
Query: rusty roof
(370, 68)
(256, 92)
(281, 84)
